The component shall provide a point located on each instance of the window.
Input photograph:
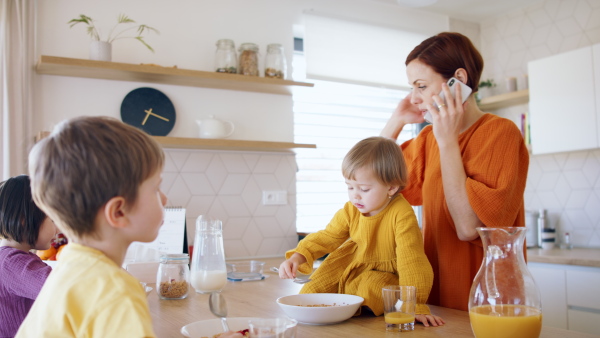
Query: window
(334, 116)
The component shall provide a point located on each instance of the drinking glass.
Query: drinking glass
(272, 327)
(399, 303)
(209, 273)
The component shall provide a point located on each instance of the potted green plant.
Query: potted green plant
(485, 89)
(101, 47)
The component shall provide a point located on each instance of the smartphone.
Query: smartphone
(452, 83)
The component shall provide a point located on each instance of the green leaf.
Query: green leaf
(124, 19)
(82, 18)
(140, 39)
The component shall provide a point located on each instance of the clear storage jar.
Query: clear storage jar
(173, 277)
(275, 66)
(248, 60)
(225, 57)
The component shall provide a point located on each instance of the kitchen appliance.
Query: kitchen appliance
(531, 222)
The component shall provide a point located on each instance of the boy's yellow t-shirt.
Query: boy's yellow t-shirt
(88, 295)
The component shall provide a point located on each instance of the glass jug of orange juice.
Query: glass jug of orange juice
(504, 299)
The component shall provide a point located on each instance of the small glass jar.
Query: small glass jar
(248, 59)
(225, 57)
(275, 66)
(173, 277)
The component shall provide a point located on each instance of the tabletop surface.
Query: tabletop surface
(577, 256)
(258, 299)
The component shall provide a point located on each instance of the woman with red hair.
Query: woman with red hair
(468, 169)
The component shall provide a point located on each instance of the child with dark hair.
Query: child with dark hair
(23, 227)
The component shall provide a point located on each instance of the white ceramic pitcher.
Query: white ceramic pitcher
(215, 128)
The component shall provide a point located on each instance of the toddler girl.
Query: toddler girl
(374, 240)
(23, 226)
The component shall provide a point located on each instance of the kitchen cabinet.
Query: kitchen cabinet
(552, 284)
(563, 100)
(570, 296)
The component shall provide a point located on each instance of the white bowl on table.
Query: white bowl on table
(320, 308)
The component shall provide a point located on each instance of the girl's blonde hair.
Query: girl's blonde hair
(381, 155)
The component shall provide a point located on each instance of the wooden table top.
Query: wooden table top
(258, 299)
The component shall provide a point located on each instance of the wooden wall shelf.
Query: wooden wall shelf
(221, 144)
(224, 144)
(53, 65)
(504, 100)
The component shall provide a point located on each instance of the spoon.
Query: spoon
(218, 306)
(296, 280)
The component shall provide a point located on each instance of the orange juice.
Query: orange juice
(399, 318)
(508, 321)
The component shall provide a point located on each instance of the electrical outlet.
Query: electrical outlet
(274, 197)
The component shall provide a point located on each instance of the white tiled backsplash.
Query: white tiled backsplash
(566, 184)
(228, 185)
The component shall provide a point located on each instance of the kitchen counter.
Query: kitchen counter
(258, 299)
(576, 256)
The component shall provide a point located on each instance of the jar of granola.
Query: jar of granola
(225, 57)
(275, 66)
(248, 59)
(173, 277)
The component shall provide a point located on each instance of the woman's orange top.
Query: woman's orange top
(496, 161)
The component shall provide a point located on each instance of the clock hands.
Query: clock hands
(148, 113)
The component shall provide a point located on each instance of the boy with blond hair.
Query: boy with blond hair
(99, 180)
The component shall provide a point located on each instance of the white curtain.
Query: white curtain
(355, 52)
(17, 57)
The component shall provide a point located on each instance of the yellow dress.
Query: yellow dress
(368, 253)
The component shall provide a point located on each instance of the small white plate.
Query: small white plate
(210, 327)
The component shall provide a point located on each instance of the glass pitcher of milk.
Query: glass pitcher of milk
(208, 269)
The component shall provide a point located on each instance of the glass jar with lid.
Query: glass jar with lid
(225, 57)
(173, 277)
(248, 60)
(275, 66)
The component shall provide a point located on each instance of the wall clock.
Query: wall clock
(148, 109)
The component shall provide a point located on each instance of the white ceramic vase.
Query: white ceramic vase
(100, 51)
(484, 92)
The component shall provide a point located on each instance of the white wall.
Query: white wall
(566, 184)
(189, 30)
(225, 184)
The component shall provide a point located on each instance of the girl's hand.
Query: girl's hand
(430, 319)
(287, 269)
(448, 118)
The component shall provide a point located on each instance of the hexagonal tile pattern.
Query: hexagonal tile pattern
(565, 184)
(228, 186)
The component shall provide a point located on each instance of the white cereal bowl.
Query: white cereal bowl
(334, 307)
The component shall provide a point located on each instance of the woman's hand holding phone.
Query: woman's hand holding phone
(448, 114)
(464, 91)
